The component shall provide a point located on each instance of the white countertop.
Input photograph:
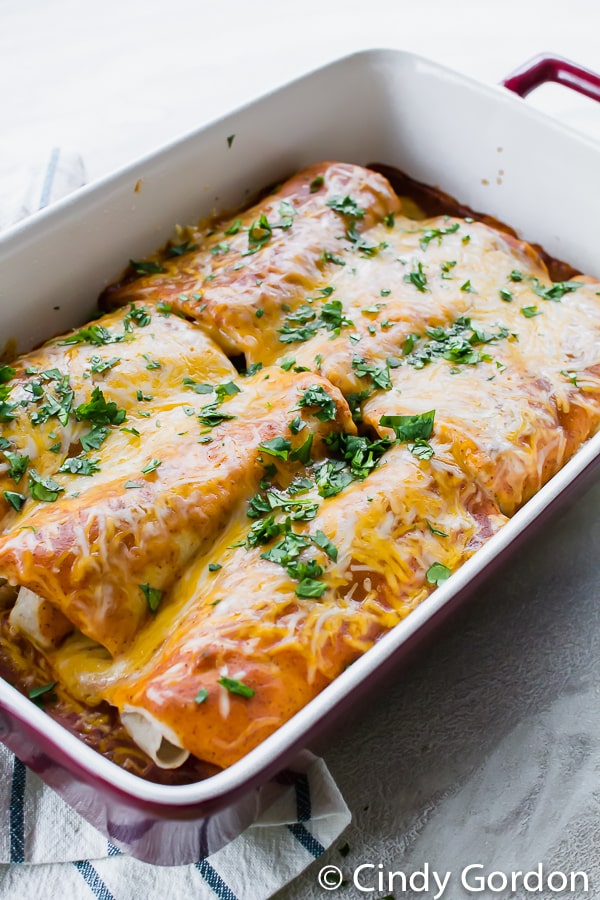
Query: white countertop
(488, 749)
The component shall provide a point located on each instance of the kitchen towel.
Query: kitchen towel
(49, 851)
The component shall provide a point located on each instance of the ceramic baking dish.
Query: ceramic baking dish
(480, 143)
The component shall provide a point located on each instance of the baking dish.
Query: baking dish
(479, 143)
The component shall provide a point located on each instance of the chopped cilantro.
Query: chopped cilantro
(17, 463)
(234, 686)
(94, 439)
(46, 490)
(201, 696)
(152, 466)
(100, 412)
(515, 275)
(100, 365)
(16, 500)
(437, 573)
(220, 249)
(153, 596)
(80, 465)
(431, 234)
(198, 387)
(297, 425)
(317, 396)
(327, 256)
(299, 326)
(209, 415)
(7, 411)
(43, 692)
(505, 295)
(316, 184)
(322, 541)
(227, 389)
(410, 428)
(259, 234)
(360, 243)
(310, 588)
(146, 267)
(93, 334)
(180, 249)
(6, 373)
(417, 278)
(214, 567)
(435, 530)
(151, 363)
(556, 291)
(380, 375)
(421, 449)
(455, 343)
(137, 315)
(530, 311)
(234, 227)
(277, 446)
(346, 206)
(302, 453)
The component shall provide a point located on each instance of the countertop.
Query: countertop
(486, 751)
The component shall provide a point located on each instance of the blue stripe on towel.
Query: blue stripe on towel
(93, 880)
(304, 814)
(17, 812)
(214, 881)
(49, 178)
(303, 804)
(304, 837)
(112, 850)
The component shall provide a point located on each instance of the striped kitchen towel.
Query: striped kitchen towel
(26, 186)
(49, 851)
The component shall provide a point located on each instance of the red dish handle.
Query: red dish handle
(544, 68)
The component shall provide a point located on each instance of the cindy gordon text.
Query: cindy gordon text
(474, 879)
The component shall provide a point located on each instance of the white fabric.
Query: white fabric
(66, 857)
(33, 184)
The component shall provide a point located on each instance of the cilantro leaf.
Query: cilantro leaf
(437, 573)
(46, 490)
(380, 375)
(317, 396)
(347, 206)
(410, 428)
(153, 596)
(16, 500)
(94, 439)
(277, 446)
(146, 267)
(17, 465)
(99, 411)
(80, 465)
(234, 686)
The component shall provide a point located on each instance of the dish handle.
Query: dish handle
(545, 68)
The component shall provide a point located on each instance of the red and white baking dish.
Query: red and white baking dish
(480, 143)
